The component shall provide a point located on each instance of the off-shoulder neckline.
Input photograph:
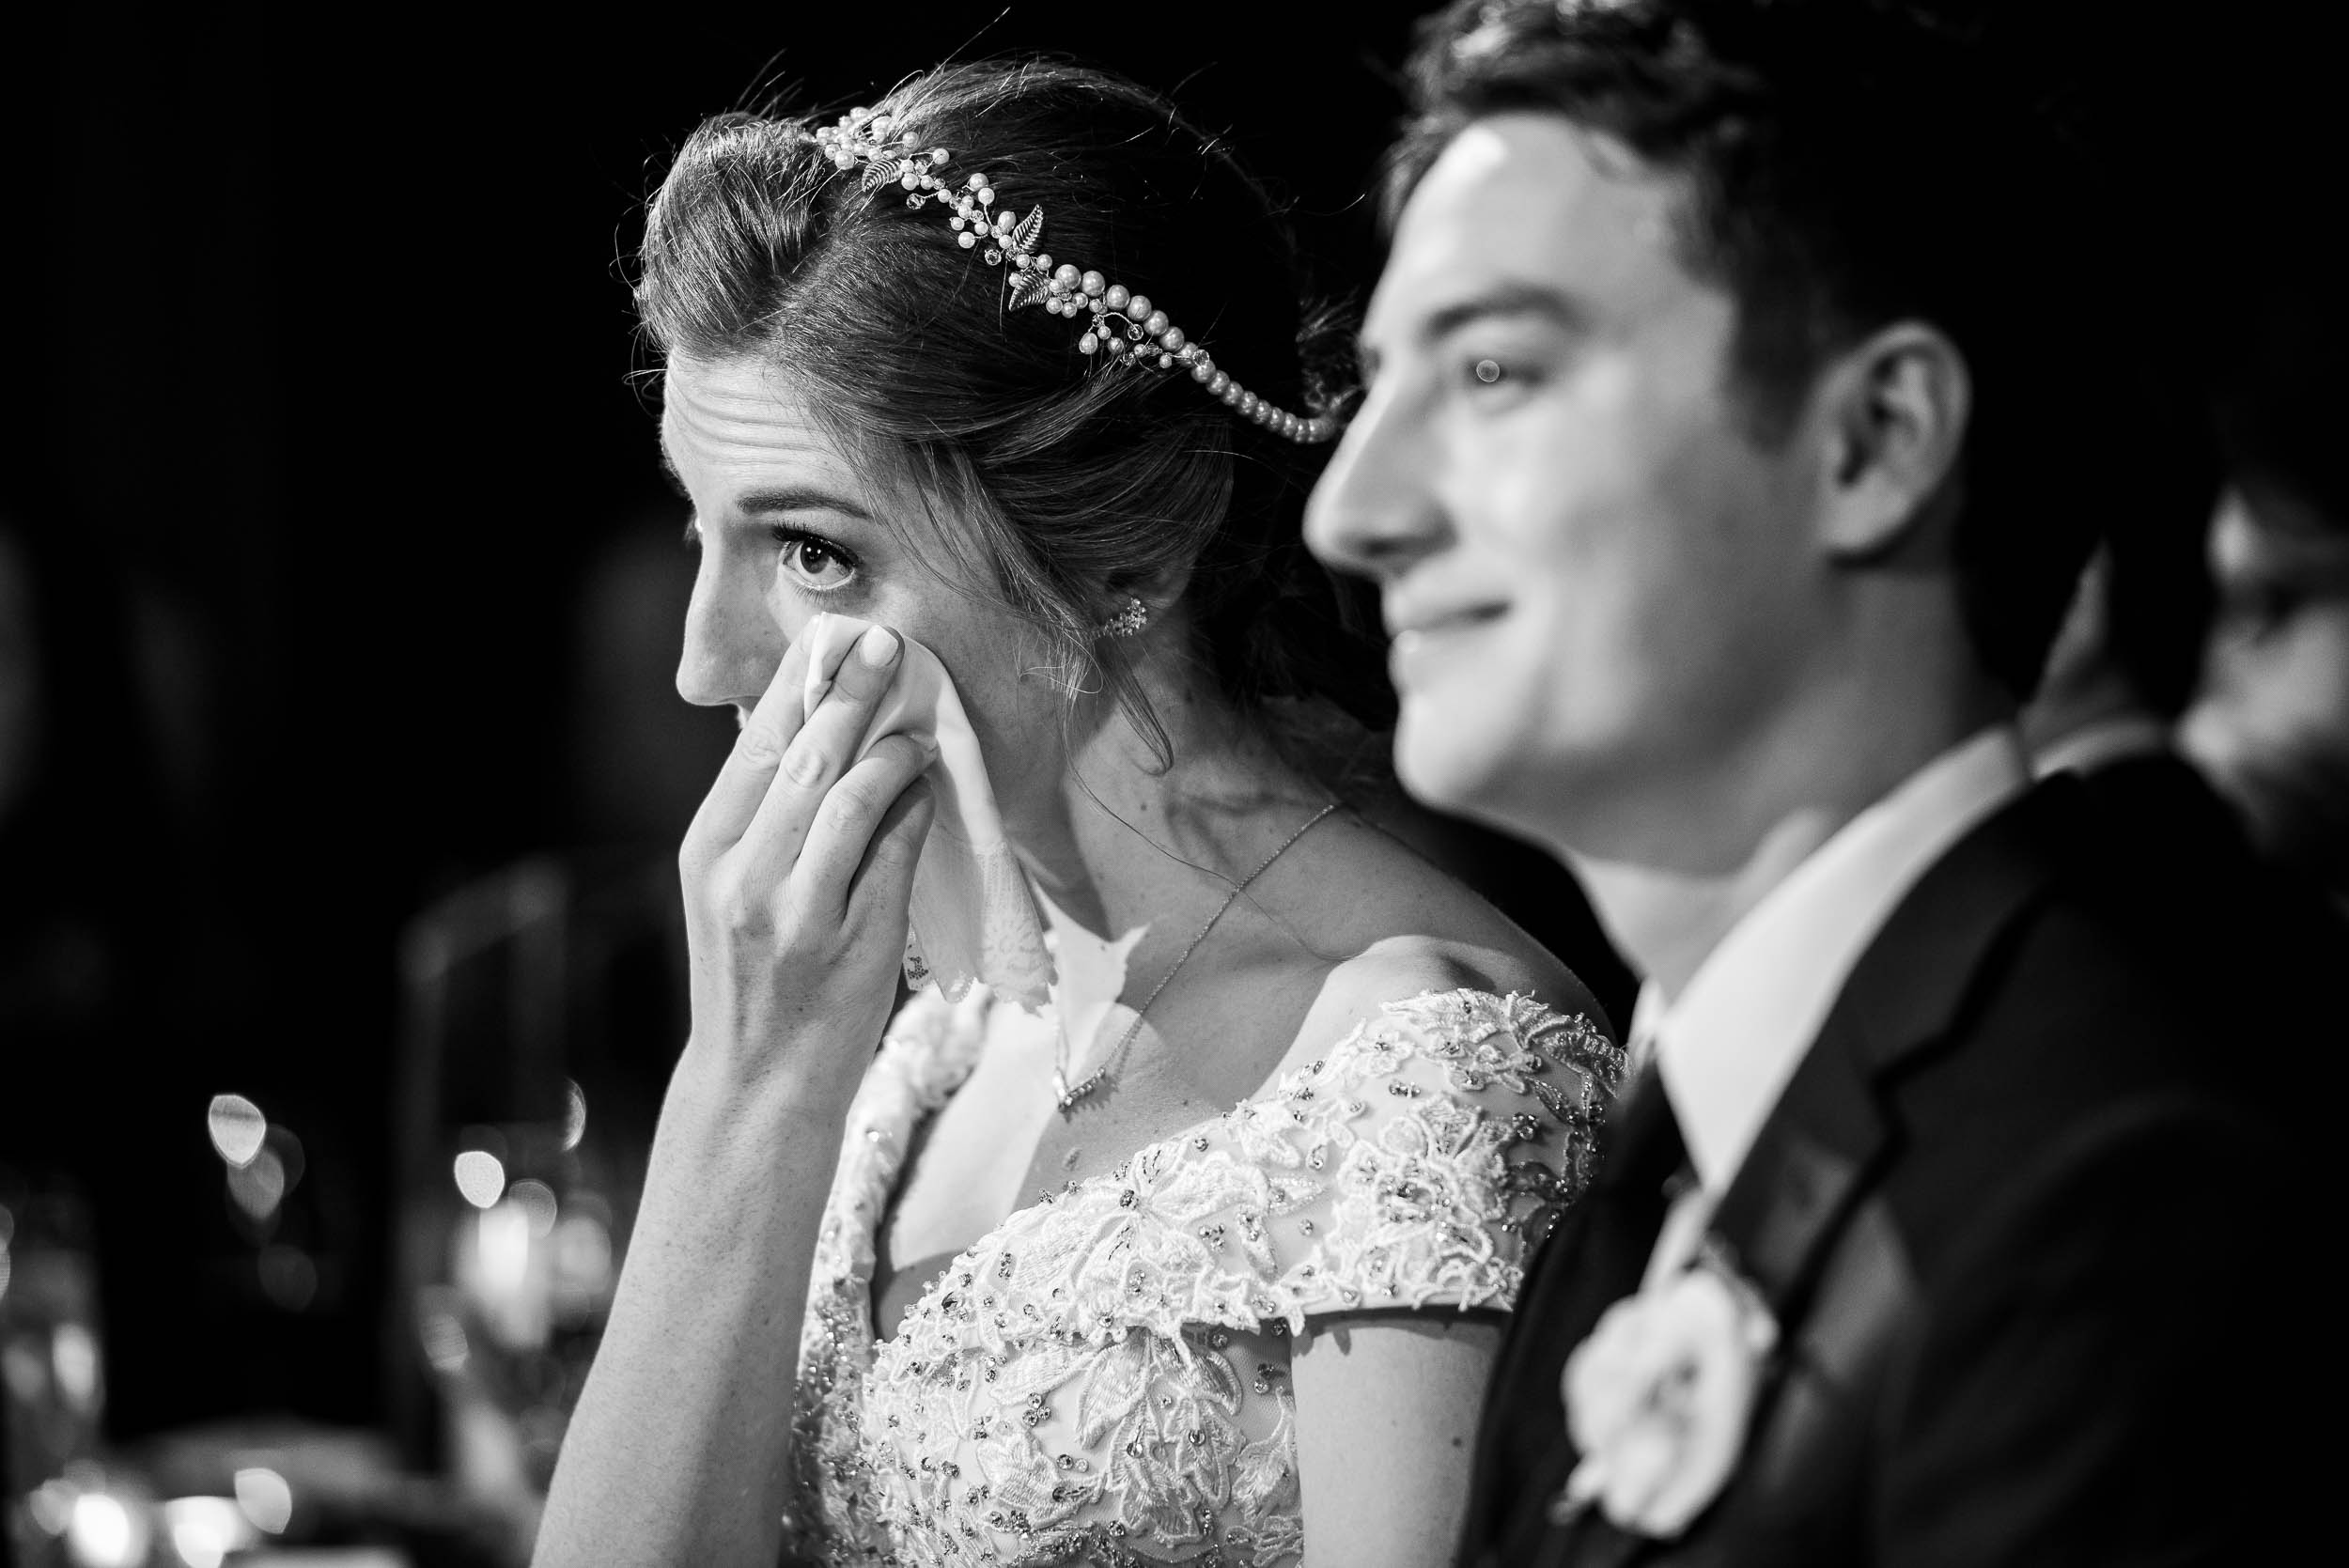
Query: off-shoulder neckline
(924, 1099)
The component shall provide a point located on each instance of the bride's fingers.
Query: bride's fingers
(749, 770)
(883, 889)
(845, 827)
(818, 755)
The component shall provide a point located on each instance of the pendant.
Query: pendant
(1068, 1094)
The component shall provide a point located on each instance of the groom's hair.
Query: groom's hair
(1845, 164)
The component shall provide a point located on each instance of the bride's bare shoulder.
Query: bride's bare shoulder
(1397, 927)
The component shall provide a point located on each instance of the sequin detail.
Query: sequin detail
(1111, 1367)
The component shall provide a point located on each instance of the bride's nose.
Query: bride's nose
(733, 644)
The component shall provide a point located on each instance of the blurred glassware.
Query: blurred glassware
(544, 1008)
(53, 1378)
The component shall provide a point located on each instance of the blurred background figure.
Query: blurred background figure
(2130, 656)
(2271, 723)
(2212, 627)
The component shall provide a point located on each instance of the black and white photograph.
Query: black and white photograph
(1465, 784)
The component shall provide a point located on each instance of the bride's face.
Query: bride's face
(790, 526)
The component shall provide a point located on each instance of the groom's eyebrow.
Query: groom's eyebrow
(1506, 300)
(1503, 300)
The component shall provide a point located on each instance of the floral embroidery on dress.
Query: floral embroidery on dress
(1108, 1370)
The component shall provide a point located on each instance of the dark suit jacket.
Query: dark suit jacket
(2033, 1238)
(2176, 845)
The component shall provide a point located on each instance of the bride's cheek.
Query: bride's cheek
(791, 606)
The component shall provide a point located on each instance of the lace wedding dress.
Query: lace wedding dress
(1104, 1377)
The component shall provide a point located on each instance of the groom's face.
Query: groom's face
(1594, 576)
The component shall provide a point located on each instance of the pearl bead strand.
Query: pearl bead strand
(1124, 327)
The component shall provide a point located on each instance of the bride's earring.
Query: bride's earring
(1127, 622)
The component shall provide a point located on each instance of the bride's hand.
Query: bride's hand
(798, 870)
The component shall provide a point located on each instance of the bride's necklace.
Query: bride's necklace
(1069, 1093)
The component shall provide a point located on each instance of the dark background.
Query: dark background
(360, 578)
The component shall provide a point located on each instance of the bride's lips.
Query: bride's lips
(1426, 642)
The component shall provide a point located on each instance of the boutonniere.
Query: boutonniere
(1659, 1396)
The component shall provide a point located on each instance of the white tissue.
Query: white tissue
(972, 917)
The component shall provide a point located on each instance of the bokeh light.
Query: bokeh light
(258, 1184)
(574, 1114)
(583, 1261)
(536, 1199)
(265, 1498)
(73, 1355)
(237, 1127)
(445, 1345)
(102, 1532)
(481, 1177)
(24, 1369)
(289, 1277)
(504, 1243)
(52, 1505)
(203, 1531)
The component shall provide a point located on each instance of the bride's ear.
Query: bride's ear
(1894, 409)
(1156, 590)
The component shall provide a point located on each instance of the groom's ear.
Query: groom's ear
(1893, 409)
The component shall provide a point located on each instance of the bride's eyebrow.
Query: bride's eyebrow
(802, 498)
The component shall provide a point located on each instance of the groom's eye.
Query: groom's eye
(1489, 377)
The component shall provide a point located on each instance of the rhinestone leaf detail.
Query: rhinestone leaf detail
(1122, 329)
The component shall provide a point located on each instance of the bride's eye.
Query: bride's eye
(814, 563)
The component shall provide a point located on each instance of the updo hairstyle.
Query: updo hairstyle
(1064, 480)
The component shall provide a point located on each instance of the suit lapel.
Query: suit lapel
(1824, 1142)
(1827, 1143)
(1821, 1148)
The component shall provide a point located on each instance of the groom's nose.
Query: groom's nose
(1375, 511)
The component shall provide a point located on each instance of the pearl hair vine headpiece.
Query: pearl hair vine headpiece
(1125, 326)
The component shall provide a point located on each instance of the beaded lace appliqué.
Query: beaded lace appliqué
(1104, 1378)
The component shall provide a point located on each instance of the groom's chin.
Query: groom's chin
(1451, 763)
(1492, 768)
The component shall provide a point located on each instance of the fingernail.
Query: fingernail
(877, 647)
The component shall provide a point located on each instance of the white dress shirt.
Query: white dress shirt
(2108, 740)
(1728, 1044)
